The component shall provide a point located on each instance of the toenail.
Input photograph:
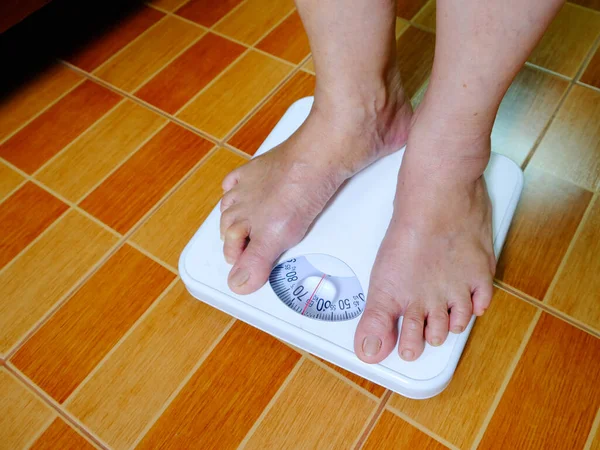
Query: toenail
(222, 237)
(458, 329)
(239, 277)
(371, 345)
(436, 342)
(407, 354)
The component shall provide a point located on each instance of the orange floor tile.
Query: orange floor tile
(112, 152)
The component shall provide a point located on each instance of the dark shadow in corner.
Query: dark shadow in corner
(58, 30)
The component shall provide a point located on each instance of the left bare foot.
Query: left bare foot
(436, 264)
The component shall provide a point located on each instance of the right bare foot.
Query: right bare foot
(270, 202)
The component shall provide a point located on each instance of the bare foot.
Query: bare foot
(436, 263)
(270, 202)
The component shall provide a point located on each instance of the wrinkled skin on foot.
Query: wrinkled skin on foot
(270, 203)
(436, 263)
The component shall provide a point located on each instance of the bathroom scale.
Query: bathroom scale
(317, 290)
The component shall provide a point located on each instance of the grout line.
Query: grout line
(547, 126)
(593, 432)
(312, 358)
(547, 71)
(122, 240)
(275, 25)
(182, 384)
(569, 250)
(120, 342)
(92, 126)
(151, 5)
(33, 242)
(168, 63)
(237, 151)
(62, 300)
(547, 309)
(43, 428)
(212, 82)
(589, 86)
(143, 103)
(137, 38)
(421, 428)
(509, 373)
(371, 422)
(260, 104)
(42, 111)
(12, 191)
(229, 13)
(588, 58)
(156, 259)
(271, 403)
(63, 414)
(121, 163)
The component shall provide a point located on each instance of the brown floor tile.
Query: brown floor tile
(148, 54)
(9, 180)
(207, 12)
(191, 203)
(567, 41)
(415, 58)
(99, 150)
(408, 8)
(553, 396)
(593, 4)
(391, 432)
(576, 290)
(571, 147)
(23, 414)
(123, 397)
(48, 133)
(223, 399)
(288, 40)
(373, 388)
(525, 111)
(45, 272)
(480, 373)
(595, 445)
(591, 75)
(61, 436)
(177, 83)
(243, 85)
(255, 131)
(111, 41)
(24, 103)
(70, 344)
(254, 18)
(426, 16)
(312, 402)
(23, 217)
(129, 192)
(168, 5)
(548, 214)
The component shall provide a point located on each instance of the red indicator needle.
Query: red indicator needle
(313, 294)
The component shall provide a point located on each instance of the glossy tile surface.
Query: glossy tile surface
(112, 154)
(557, 411)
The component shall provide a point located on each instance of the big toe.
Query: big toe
(253, 266)
(377, 331)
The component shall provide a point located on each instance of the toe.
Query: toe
(236, 238)
(482, 297)
(227, 200)
(461, 310)
(436, 330)
(377, 331)
(254, 265)
(411, 337)
(230, 180)
(228, 218)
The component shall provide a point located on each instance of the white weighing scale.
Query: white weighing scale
(316, 291)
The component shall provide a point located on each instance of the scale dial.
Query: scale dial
(332, 295)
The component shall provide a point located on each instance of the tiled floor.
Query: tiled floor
(111, 157)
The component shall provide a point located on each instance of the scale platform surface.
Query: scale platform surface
(335, 259)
